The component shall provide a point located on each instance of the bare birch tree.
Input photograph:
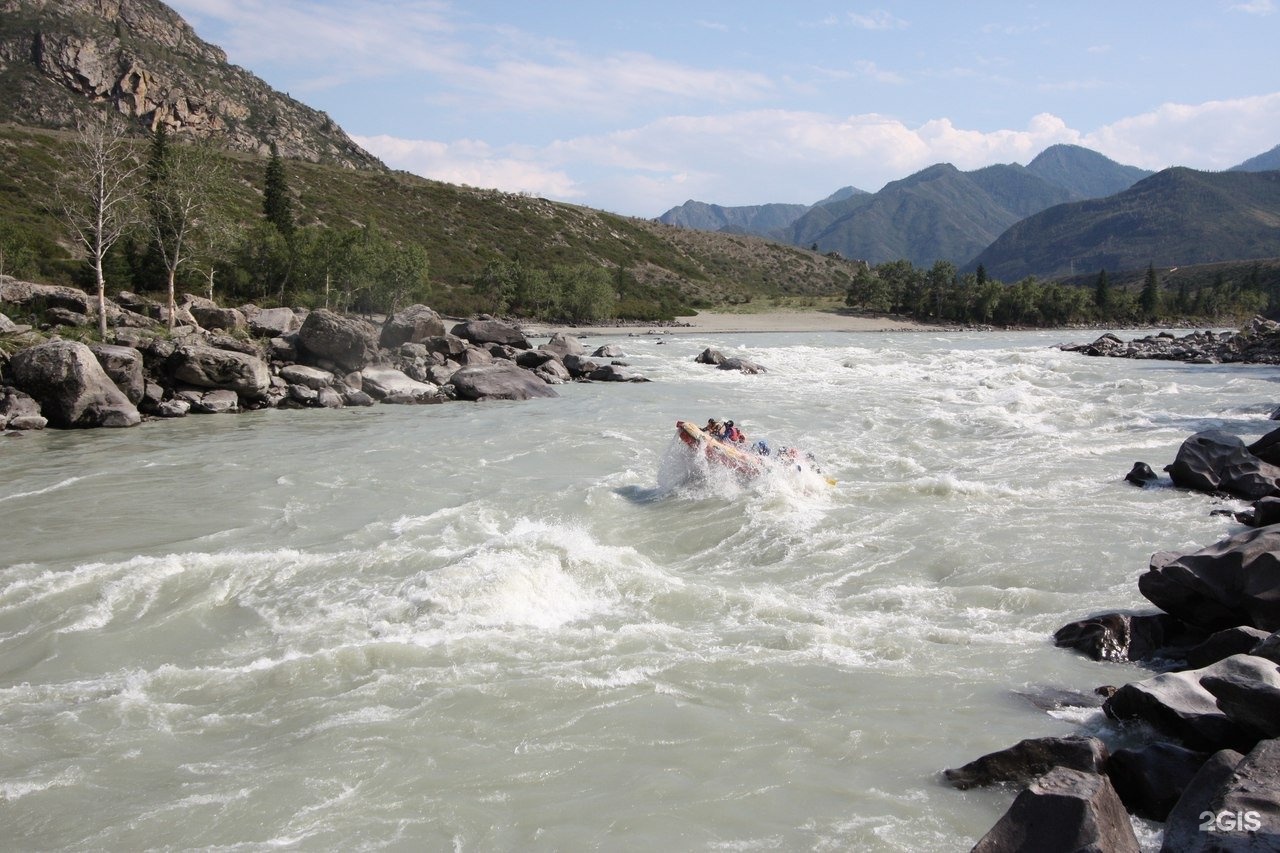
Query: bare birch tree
(99, 192)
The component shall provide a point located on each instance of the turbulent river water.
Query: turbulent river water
(538, 626)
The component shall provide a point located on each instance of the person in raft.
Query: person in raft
(714, 428)
(732, 433)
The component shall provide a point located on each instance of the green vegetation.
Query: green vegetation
(365, 240)
(1223, 293)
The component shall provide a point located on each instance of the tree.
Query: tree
(277, 204)
(403, 276)
(1102, 293)
(1149, 300)
(17, 257)
(182, 181)
(98, 194)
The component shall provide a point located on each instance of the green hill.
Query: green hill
(1178, 216)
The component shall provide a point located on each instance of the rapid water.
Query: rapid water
(532, 626)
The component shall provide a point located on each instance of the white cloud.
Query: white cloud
(473, 163)
(877, 20)
(1255, 7)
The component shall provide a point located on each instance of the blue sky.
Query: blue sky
(635, 107)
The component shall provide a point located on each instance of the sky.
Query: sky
(636, 107)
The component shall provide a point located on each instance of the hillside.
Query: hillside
(1264, 162)
(1178, 216)
(1084, 173)
(760, 219)
(463, 229)
(60, 59)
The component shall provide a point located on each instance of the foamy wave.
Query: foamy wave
(70, 481)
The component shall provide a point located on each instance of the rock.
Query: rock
(356, 397)
(482, 332)
(19, 410)
(1223, 644)
(1265, 512)
(472, 357)
(1129, 636)
(271, 322)
(532, 359)
(212, 317)
(72, 388)
(608, 351)
(392, 386)
(744, 365)
(553, 372)
(283, 349)
(1141, 475)
(1150, 780)
(1235, 581)
(124, 366)
(412, 325)
(1268, 648)
(219, 369)
(442, 374)
(614, 373)
(1232, 804)
(24, 293)
(328, 398)
(1064, 810)
(219, 402)
(1214, 460)
(173, 409)
(1179, 705)
(7, 326)
(710, 356)
(248, 346)
(1267, 448)
(1249, 694)
(578, 366)
(501, 381)
(312, 377)
(562, 345)
(1028, 759)
(303, 395)
(503, 351)
(348, 342)
(449, 346)
(66, 317)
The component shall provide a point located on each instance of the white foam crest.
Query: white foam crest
(70, 481)
(949, 485)
(11, 790)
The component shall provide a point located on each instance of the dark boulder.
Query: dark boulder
(614, 373)
(348, 342)
(213, 317)
(19, 410)
(216, 402)
(608, 351)
(312, 377)
(1150, 780)
(501, 381)
(1216, 461)
(1233, 582)
(1028, 759)
(1141, 475)
(1064, 810)
(449, 346)
(220, 369)
(742, 365)
(1129, 636)
(72, 388)
(483, 332)
(532, 359)
(1249, 694)
(270, 322)
(1265, 512)
(1223, 644)
(578, 366)
(1232, 804)
(710, 356)
(1267, 448)
(562, 345)
(1180, 706)
(411, 326)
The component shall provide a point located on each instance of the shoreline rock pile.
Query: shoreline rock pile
(1209, 769)
(1257, 343)
(220, 360)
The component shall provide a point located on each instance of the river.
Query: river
(537, 626)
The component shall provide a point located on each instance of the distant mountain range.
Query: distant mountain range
(762, 220)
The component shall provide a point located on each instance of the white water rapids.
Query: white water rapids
(525, 627)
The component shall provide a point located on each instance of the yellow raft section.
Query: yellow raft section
(723, 452)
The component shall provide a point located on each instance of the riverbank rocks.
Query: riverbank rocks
(72, 388)
(1215, 460)
(1129, 636)
(19, 411)
(1230, 805)
(483, 332)
(210, 316)
(500, 381)
(392, 386)
(347, 342)
(1028, 759)
(124, 366)
(1257, 343)
(1235, 581)
(742, 365)
(410, 326)
(1151, 779)
(562, 345)
(207, 367)
(1064, 810)
(270, 322)
(709, 356)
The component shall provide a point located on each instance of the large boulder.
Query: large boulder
(710, 356)
(207, 367)
(1027, 759)
(500, 381)
(562, 345)
(72, 388)
(348, 342)
(271, 322)
(1223, 644)
(1235, 581)
(484, 332)
(212, 317)
(1064, 810)
(25, 293)
(392, 386)
(742, 365)
(124, 366)
(1180, 705)
(1249, 695)
(1232, 804)
(411, 326)
(1128, 636)
(1151, 779)
(1217, 461)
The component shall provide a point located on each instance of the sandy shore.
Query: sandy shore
(764, 321)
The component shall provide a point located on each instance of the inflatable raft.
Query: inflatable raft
(745, 460)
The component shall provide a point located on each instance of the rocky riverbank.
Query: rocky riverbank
(1207, 711)
(219, 359)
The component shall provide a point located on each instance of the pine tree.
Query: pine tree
(277, 205)
(1102, 293)
(1149, 301)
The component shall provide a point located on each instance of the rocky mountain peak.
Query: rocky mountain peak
(61, 58)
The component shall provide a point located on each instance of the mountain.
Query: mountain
(60, 59)
(751, 219)
(1084, 173)
(1262, 163)
(1175, 217)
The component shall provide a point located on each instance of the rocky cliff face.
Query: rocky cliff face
(61, 58)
